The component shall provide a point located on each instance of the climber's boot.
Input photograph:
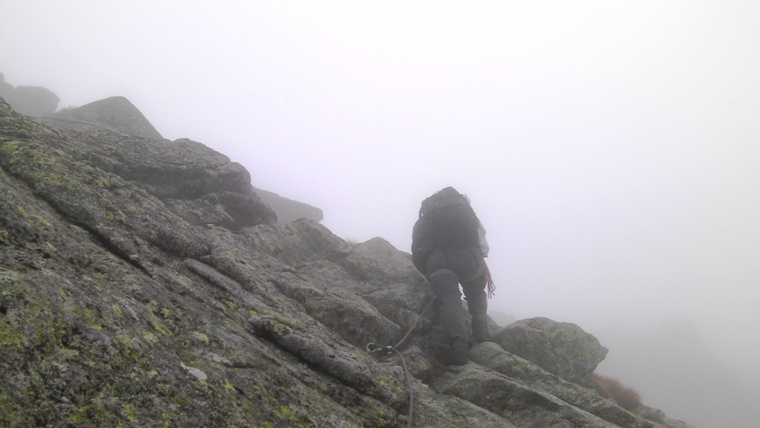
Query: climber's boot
(480, 331)
(459, 348)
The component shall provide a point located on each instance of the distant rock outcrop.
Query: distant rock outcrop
(5, 88)
(145, 284)
(29, 100)
(287, 209)
(115, 113)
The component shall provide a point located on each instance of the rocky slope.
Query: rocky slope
(143, 283)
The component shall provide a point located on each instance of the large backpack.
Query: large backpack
(451, 220)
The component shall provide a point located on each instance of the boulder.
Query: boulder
(560, 348)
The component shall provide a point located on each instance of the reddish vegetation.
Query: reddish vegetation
(608, 387)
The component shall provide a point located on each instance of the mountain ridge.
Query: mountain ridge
(145, 284)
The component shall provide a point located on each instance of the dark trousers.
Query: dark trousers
(448, 268)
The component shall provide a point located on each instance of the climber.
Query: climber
(448, 247)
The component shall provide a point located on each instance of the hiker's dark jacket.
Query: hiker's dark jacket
(448, 247)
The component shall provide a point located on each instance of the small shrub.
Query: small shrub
(353, 243)
(624, 396)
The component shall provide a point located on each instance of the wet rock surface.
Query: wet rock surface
(129, 297)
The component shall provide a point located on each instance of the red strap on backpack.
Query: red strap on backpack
(489, 281)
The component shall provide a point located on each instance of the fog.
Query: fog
(612, 149)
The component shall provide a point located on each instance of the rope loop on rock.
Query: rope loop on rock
(374, 347)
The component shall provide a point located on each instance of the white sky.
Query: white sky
(611, 148)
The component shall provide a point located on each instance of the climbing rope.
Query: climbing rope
(388, 350)
(489, 280)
